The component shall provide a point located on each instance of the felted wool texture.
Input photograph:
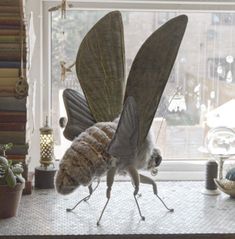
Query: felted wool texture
(86, 159)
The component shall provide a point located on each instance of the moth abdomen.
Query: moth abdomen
(86, 159)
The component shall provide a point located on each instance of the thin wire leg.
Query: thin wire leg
(139, 195)
(97, 185)
(142, 217)
(98, 222)
(169, 209)
(84, 199)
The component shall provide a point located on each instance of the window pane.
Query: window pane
(200, 92)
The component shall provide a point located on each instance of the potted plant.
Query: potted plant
(11, 185)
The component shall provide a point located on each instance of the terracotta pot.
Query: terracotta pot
(10, 199)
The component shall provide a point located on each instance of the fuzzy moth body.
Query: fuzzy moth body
(86, 159)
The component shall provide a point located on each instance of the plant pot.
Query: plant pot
(10, 199)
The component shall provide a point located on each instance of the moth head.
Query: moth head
(155, 161)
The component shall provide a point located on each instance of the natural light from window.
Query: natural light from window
(199, 94)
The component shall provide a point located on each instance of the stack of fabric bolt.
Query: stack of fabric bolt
(13, 82)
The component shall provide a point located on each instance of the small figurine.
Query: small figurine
(65, 69)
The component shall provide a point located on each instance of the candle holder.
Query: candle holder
(46, 146)
(44, 175)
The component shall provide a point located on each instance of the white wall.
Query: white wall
(33, 8)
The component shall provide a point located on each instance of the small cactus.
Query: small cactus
(10, 174)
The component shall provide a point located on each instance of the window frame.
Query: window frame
(170, 170)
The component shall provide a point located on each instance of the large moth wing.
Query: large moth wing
(124, 144)
(79, 116)
(100, 67)
(151, 68)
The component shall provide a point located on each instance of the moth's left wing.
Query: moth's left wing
(125, 141)
(151, 68)
(79, 116)
(100, 67)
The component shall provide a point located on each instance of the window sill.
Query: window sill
(181, 170)
(43, 214)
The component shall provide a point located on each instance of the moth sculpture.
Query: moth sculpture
(110, 138)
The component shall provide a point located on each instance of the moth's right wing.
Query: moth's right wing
(147, 79)
(124, 144)
(151, 68)
(78, 113)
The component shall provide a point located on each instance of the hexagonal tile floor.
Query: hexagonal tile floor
(44, 212)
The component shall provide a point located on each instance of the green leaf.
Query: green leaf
(3, 161)
(17, 170)
(8, 146)
(10, 178)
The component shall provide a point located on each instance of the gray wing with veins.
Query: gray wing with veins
(125, 141)
(146, 82)
(79, 116)
(100, 67)
(151, 69)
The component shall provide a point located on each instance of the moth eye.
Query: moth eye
(158, 160)
(156, 156)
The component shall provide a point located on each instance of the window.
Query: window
(201, 82)
(223, 19)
